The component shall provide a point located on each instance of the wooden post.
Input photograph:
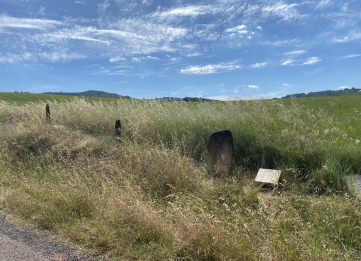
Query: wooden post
(221, 150)
(118, 127)
(48, 119)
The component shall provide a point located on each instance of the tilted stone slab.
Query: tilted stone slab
(221, 150)
(354, 182)
(268, 176)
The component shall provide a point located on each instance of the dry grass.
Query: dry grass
(153, 197)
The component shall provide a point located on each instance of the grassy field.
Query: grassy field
(154, 196)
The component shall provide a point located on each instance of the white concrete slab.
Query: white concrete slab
(354, 182)
(268, 176)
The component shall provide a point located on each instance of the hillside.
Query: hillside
(24, 98)
(186, 99)
(345, 92)
(154, 195)
(102, 94)
(90, 93)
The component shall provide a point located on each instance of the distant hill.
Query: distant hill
(345, 92)
(100, 94)
(186, 99)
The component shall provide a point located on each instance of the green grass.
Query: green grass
(154, 196)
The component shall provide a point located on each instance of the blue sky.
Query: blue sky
(156, 48)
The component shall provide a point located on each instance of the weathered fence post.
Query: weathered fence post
(48, 119)
(118, 128)
(221, 150)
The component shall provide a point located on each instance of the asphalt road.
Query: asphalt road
(25, 243)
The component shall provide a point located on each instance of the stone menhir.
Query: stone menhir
(221, 150)
(48, 119)
(118, 127)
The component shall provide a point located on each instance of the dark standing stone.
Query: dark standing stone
(221, 150)
(118, 127)
(48, 119)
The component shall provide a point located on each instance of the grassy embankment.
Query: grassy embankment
(154, 197)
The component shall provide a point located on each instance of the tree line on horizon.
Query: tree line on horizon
(91, 93)
(344, 92)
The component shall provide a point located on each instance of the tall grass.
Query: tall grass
(153, 196)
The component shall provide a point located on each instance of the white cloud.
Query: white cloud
(287, 12)
(147, 58)
(211, 68)
(352, 37)
(10, 59)
(343, 40)
(151, 58)
(344, 87)
(77, 33)
(351, 56)
(14, 58)
(295, 53)
(288, 62)
(236, 29)
(252, 86)
(194, 54)
(258, 65)
(312, 60)
(286, 84)
(186, 11)
(116, 59)
(41, 24)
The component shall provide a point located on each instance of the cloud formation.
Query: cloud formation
(295, 53)
(258, 65)
(211, 68)
(187, 37)
(27, 23)
(312, 60)
(287, 62)
(351, 56)
(186, 11)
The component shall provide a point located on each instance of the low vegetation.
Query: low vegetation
(154, 196)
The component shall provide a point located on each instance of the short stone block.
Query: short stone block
(268, 176)
(354, 182)
(221, 150)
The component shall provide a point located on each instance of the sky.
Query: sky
(218, 49)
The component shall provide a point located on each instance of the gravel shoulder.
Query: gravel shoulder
(26, 243)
